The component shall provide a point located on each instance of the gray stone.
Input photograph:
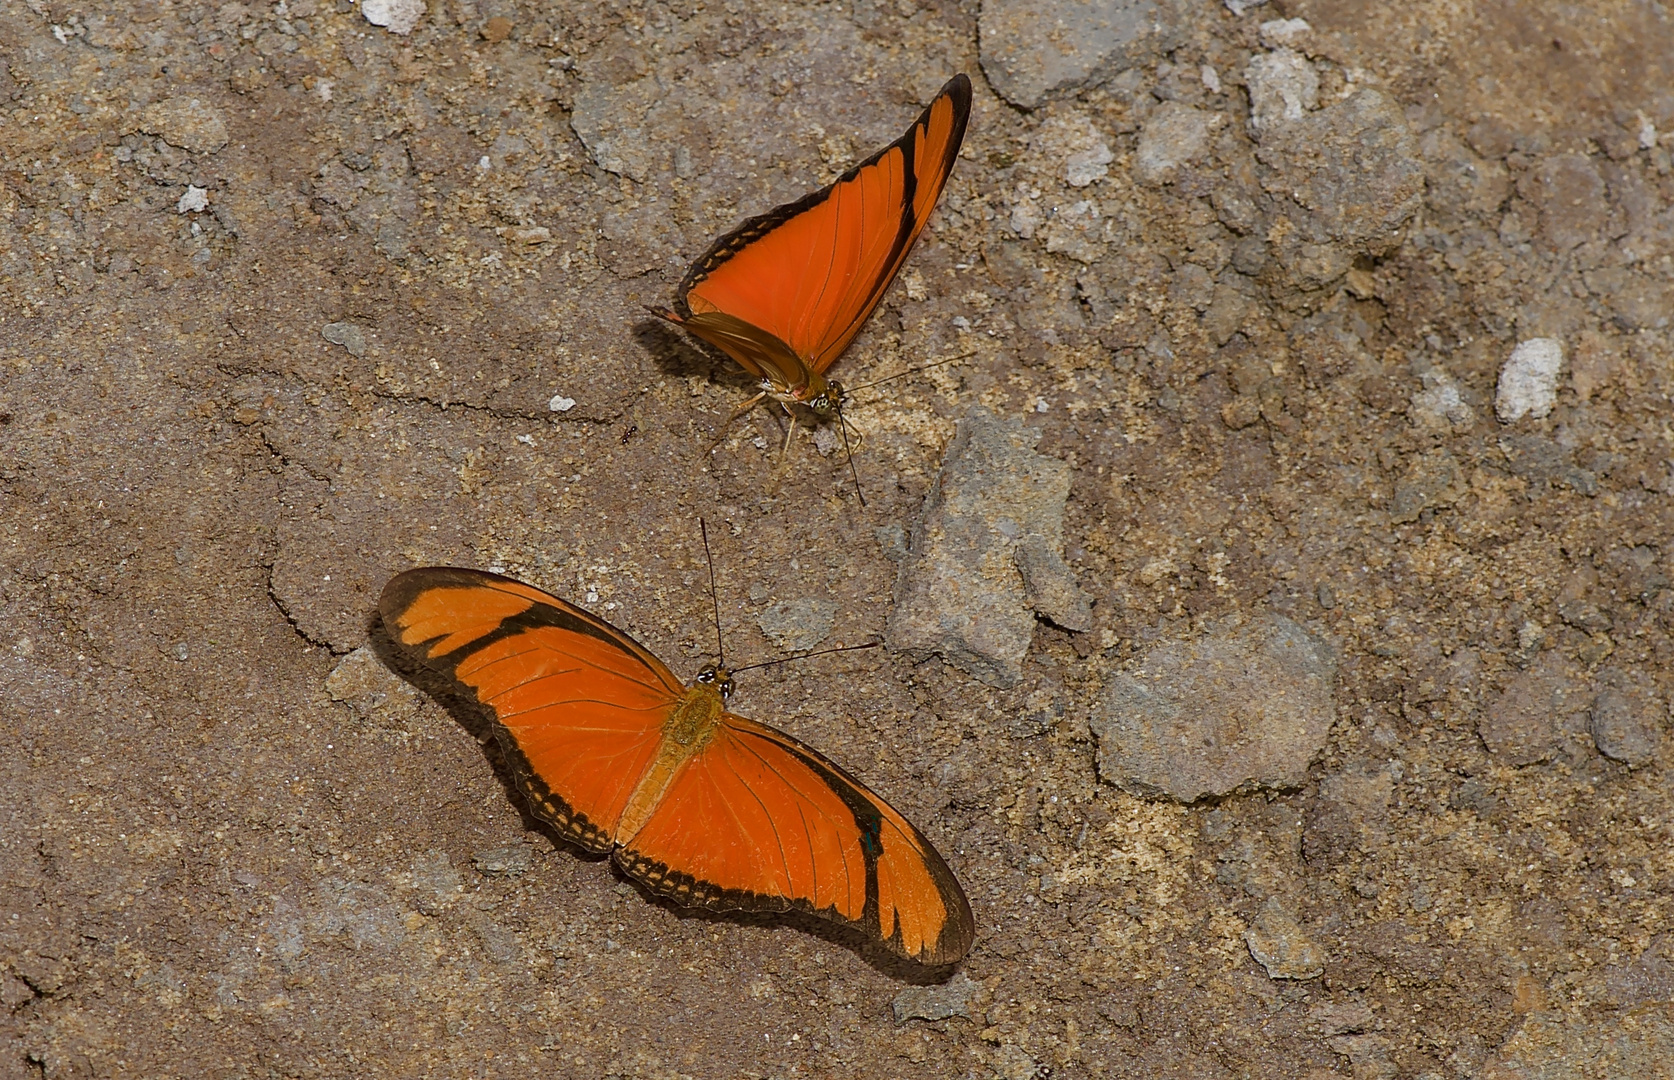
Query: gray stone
(1279, 944)
(1034, 49)
(1077, 230)
(1440, 406)
(959, 592)
(1528, 383)
(1432, 480)
(1174, 135)
(1347, 181)
(1076, 147)
(1627, 719)
(1246, 707)
(362, 681)
(396, 16)
(346, 334)
(436, 883)
(1283, 86)
(1012, 1062)
(1527, 723)
(798, 625)
(1543, 461)
(511, 860)
(959, 996)
(1049, 585)
(187, 123)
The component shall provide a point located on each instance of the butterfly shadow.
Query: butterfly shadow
(478, 722)
(676, 353)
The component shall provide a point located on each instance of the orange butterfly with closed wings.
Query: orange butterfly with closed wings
(694, 802)
(785, 292)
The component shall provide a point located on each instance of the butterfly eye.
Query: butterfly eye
(707, 675)
(726, 688)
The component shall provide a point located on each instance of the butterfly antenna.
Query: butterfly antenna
(914, 371)
(843, 426)
(806, 655)
(714, 595)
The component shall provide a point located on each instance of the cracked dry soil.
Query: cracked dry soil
(286, 300)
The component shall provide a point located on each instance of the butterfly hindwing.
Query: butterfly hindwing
(579, 706)
(805, 276)
(784, 828)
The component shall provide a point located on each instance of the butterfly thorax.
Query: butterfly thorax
(687, 730)
(700, 710)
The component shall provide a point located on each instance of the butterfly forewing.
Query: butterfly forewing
(580, 705)
(808, 274)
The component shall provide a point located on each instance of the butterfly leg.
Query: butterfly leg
(736, 413)
(785, 449)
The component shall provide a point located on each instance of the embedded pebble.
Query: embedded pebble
(1283, 85)
(1174, 135)
(396, 16)
(195, 201)
(957, 997)
(560, 403)
(798, 625)
(1284, 31)
(1050, 587)
(188, 123)
(1627, 719)
(1347, 176)
(346, 334)
(1529, 380)
(435, 881)
(959, 593)
(1279, 944)
(1527, 723)
(1439, 406)
(363, 682)
(1245, 707)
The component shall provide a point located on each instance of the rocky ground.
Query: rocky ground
(1281, 662)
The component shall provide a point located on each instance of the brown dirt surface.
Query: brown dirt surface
(288, 301)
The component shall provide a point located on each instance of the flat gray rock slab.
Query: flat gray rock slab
(1627, 718)
(959, 996)
(1532, 719)
(1245, 708)
(1348, 179)
(986, 556)
(1279, 944)
(798, 625)
(1033, 49)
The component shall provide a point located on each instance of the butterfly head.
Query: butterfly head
(828, 402)
(718, 677)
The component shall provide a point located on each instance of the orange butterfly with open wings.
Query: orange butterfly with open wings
(785, 292)
(694, 802)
